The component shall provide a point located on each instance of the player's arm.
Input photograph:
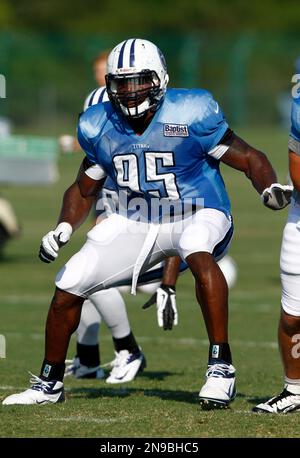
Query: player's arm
(79, 197)
(77, 202)
(164, 297)
(258, 169)
(171, 271)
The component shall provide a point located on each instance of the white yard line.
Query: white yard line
(17, 299)
(9, 387)
(239, 300)
(184, 341)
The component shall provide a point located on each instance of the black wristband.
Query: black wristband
(167, 287)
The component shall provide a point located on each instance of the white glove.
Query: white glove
(277, 196)
(165, 300)
(52, 242)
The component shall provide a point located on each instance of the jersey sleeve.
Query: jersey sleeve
(94, 169)
(294, 139)
(211, 128)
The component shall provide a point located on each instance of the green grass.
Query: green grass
(163, 401)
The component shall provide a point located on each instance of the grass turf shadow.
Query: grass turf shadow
(168, 395)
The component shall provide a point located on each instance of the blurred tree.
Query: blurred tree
(243, 52)
(136, 16)
(7, 13)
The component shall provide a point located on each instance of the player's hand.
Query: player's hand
(277, 196)
(53, 241)
(165, 300)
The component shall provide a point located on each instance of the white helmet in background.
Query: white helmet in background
(137, 77)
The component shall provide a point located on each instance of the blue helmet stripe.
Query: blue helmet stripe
(120, 61)
(131, 56)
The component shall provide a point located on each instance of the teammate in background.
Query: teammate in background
(289, 325)
(69, 143)
(9, 225)
(99, 69)
(163, 147)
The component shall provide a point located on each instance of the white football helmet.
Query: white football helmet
(137, 77)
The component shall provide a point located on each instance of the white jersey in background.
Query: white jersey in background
(96, 96)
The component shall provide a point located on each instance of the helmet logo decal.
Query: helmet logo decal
(131, 54)
(131, 57)
(120, 61)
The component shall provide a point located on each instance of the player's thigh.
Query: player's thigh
(149, 288)
(290, 296)
(290, 247)
(105, 260)
(208, 230)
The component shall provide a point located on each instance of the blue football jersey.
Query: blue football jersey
(294, 140)
(295, 119)
(177, 156)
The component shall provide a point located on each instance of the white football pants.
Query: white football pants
(290, 262)
(119, 249)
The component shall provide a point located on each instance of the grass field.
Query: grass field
(163, 401)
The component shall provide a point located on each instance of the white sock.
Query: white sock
(88, 329)
(111, 306)
(292, 385)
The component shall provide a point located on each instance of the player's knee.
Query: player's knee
(88, 334)
(290, 307)
(290, 298)
(71, 277)
(195, 238)
(290, 323)
(202, 266)
(59, 301)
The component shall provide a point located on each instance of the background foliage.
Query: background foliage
(244, 52)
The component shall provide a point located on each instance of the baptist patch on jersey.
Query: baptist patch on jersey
(176, 130)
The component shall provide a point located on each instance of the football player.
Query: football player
(163, 148)
(86, 363)
(289, 325)
(129, 360)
